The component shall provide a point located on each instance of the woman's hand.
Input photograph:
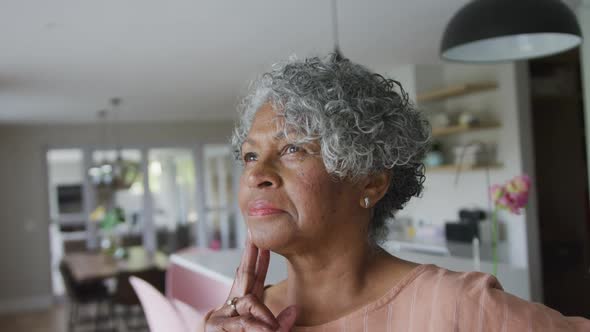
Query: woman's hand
(244, 309)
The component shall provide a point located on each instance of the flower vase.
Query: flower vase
(109, 244)
(495, 241)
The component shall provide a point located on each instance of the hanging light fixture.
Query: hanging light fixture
(101, 173)
(506, 30)
(119, 173)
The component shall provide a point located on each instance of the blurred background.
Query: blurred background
(115, 119)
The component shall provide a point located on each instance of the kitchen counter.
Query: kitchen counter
(446, 248)
(515, 280)
(220, 266)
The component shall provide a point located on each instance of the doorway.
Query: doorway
(180, 197)
(561, 166)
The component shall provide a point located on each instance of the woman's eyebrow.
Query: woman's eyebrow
(277, 137)
(249, 141)
(285, 134)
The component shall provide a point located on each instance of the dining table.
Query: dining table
(92, 266)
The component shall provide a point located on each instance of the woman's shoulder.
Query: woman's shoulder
(462, 284)
(476, 301)
(427, 280)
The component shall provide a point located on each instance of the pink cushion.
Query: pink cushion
(189, 315)
(163, 315)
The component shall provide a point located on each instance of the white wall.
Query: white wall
(406, 75)
(24, 212)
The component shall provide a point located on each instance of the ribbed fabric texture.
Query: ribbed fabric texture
(435, 299)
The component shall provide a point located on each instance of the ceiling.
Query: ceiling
(177, 60)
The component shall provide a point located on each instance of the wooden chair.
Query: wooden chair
(125, 298)
(131, 240)
(80, 294)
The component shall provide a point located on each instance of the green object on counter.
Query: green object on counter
(112, 218)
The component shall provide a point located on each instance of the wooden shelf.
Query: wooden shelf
(464, 168)
(455, 91)
(437, 132)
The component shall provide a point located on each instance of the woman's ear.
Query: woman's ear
(375, 188)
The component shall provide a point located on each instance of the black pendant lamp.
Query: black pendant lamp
(506, 30)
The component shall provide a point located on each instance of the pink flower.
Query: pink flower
(496, 191)
(519, 184)
(513, 196)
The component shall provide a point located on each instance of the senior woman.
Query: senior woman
(330, 152)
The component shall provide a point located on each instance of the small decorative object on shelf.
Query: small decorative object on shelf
(434, 157)
(440, 120)
(470, 155)
(473, 154)
(513, 197)
(468, 119)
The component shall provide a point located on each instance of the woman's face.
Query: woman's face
(289, 201)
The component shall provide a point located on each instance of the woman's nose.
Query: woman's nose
(263, 175)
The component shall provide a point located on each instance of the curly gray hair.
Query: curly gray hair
(363, 124)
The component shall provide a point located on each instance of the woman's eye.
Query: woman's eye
(292, 149)
(250, 156)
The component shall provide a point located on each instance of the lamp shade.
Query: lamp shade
(505, 30)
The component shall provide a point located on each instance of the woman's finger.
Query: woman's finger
(249, 264)
(245, 273)
(286, 319)
(261, 270)
(239, 323)
(251, 305)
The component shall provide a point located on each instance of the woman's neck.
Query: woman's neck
(326, 283)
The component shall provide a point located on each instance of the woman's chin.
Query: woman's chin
(274, 237)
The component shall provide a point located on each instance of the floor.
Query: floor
(52, 320)
(55, 320)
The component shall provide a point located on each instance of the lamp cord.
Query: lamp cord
(335, 31)
(115, 103)
(102, 116)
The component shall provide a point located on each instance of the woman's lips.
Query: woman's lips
(263, 212)
(262, 208)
